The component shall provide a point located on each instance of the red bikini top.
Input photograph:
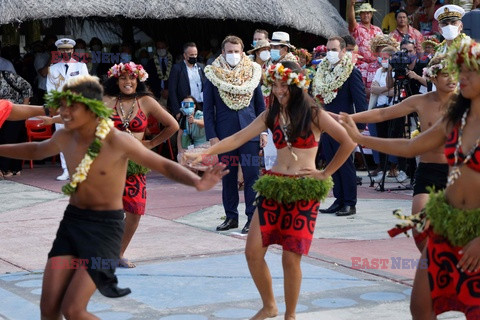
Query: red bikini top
(301, 143)
(137, 124)
(451, 145)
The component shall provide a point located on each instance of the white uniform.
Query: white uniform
(58, 75)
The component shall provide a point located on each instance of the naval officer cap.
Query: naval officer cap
(449, 12)
(65, 43)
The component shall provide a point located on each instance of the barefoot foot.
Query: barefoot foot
(265, 313)
(124, 263)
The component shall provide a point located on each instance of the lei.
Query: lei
(53, 100)
(326, 82)
(103, 128)
(131, 68)
(443, 48)
(236, 85)
(465, 52)
(278, 71)
(162, 76)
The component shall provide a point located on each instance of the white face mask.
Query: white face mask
(265, 55)
(332, 57)
(385, 64)
(450, 32)
(233, 58)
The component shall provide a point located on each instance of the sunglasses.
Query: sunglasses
(188, 104)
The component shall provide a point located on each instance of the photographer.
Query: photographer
(192, 131)
(408, 69)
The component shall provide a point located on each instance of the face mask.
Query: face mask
(385, 64)
(317, 61)
(450, 32)
(275, 54)
(332, 57)
(192, 60)
(233, 58)
(265, 55)
(161, 52)
(187, 108)
(254, 43)
(144, 61)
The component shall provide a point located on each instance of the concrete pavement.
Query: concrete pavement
(188, 271)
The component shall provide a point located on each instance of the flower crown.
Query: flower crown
(467, 53)
(131, 68)
(278, 71)
(430, 72)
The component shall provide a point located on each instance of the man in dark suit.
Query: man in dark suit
(339, 86)
(186, 79)
(232, 99)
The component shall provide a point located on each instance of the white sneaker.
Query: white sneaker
(402, 176)
(64, 176)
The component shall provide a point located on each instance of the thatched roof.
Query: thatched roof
(313, 16)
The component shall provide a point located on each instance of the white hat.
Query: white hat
(449, 11)
(280, 38)
(65, 43)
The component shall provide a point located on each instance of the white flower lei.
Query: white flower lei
(326, 82)
(103, 128)
(159, 68)
(236, 85)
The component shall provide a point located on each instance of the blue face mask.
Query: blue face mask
(316, 61)
(254, 43)
(188, 108)
(275, 54)
(379, 59)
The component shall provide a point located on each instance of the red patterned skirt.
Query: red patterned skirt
(289, 223)
(135, 194)
(451, 289)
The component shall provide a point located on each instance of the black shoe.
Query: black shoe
(346, 211)
(246, 228)
(332, 209)
(228, 224)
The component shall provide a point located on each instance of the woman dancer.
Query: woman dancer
(289, 194)
(453, 247)
(126, 94)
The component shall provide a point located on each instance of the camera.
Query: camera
(400, 62)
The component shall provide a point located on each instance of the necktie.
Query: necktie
(164, 66)
(66, 68)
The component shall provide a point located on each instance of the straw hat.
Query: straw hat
(280, 38)
(259, 45)
(365, 7)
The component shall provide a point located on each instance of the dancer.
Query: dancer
(453, 247)
(432, 170)
(90, 233)
(289, 194)
(126, 94)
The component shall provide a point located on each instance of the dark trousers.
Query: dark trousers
(12, 132)
(247, 156)
(345, 178)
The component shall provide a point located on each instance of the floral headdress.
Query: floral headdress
(131, 68)
(53, 100)
(432, 70)
(467, 53)
(278, 71)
